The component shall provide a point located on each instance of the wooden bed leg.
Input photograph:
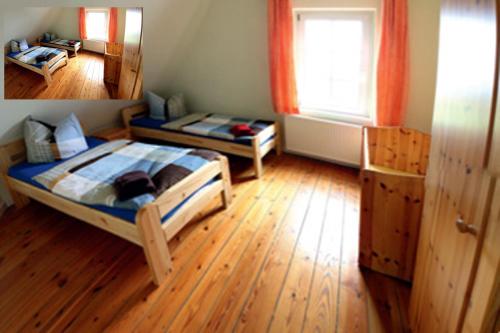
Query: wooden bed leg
(257, 159)
(278, 141)
(154, 242)
(227, 195)
(46, 74)
(20, 200)
(257, 166)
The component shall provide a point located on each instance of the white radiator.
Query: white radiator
(323, 139)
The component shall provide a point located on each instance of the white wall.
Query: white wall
(224, 68)
(27, 23)
(424, 39)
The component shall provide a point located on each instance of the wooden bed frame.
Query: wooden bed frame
(148, 231)
(74, 48)
(256, 152)
(47, 70)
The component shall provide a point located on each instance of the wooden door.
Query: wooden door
(459, 185)
(132, 54)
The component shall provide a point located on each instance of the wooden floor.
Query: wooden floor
(82, 78)
(282, 258)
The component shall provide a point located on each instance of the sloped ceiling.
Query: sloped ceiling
(28, 23)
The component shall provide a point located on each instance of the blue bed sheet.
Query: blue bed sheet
(26, 171)
(55, 44)
(37, 65)
(147, 122)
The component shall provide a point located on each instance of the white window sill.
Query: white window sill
(97, 40)
(336, 117)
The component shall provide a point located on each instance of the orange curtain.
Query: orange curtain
(281, 57)
(113, 22)
(82, 25)
(393, 70)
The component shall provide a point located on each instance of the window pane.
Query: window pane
(96, 25)
(332, 71)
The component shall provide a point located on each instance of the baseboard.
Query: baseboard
(324, 159)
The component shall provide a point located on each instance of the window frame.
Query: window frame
(367, 15)
(106, 27)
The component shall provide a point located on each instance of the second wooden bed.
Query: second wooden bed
(73, 48)
(148, 231)
(261, 144)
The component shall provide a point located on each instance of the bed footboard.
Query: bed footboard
(55, 63)
(155, 235)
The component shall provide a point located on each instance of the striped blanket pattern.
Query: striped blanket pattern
(88, 178)
(64, 42)
(213, 125)
(29, 56)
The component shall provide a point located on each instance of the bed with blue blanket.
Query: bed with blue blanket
(39, 59)
(82, 186)
(207, 130)
(66, 44)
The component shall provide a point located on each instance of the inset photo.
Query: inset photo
(74, 53)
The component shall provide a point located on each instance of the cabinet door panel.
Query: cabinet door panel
(132, 54)
(458, 185)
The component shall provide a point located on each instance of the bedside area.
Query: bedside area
(115, 133)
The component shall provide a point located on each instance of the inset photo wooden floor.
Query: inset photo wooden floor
(82, 78)
(282, 258)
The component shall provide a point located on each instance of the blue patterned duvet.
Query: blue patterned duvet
(88, 178)
(29, 56)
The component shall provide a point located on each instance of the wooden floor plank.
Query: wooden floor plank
(263, 220)
(352, 300)
(289, 312)
(228, 306)
(201, 241)
(322, 301)
(164, 311)
(258, 308)
(283, 257)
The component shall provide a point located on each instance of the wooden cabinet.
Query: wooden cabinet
(392, 195)
(130, 84)
(112, 62)
(460, 184)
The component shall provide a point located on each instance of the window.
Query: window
(97, 21)
(334, 52)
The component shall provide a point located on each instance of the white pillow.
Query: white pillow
(69, 137)
(23, 45)
(14, 46)
(176, 107)
(156, 106)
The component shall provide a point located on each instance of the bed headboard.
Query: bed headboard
(11, 154)
(132, 112)
(6, 48)
(14, 152)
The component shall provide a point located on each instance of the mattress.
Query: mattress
(150, 123)
(62, 42)
(26, 171)
(13, 55)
